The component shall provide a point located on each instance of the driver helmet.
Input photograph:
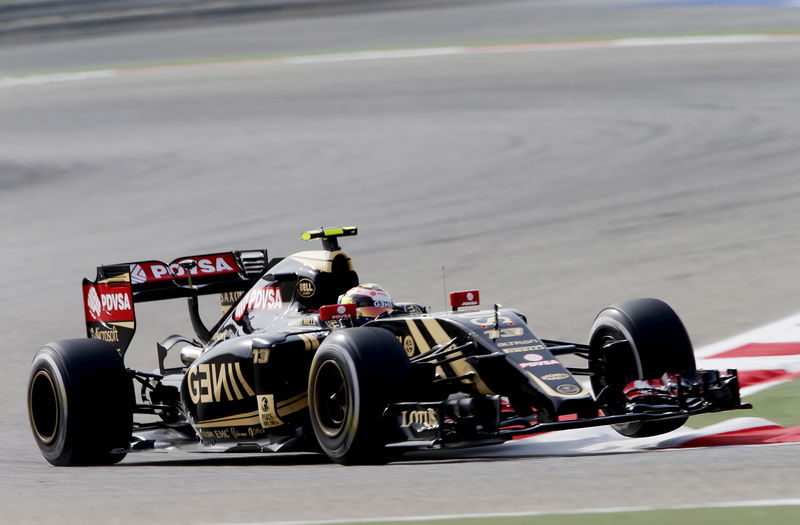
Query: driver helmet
(370, 299)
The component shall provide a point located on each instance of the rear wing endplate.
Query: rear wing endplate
(109, 299)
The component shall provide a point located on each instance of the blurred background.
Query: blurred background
(557, 155)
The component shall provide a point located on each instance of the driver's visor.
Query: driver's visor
(371, 312)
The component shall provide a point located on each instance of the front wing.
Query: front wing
(463, 420)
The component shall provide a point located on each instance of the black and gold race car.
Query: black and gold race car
(286, 368)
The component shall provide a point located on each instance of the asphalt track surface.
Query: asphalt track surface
(557, 182)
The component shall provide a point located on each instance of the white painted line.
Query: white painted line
(8, 82)
(692, 40)
(374, 55)
(723, 504)
(37, 80)
(790, 363)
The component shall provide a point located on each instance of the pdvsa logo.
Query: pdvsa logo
(265, 298)
(112, 302)
(93, 303)
(138, 275)
(104, 303)
(156, 271)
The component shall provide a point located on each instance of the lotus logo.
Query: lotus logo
(93, 302)
(137, 274)
(341, 310)
(532, 357)
(470, 296)
(568, 389)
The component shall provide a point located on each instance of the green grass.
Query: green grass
(780, 404)
(784, 515)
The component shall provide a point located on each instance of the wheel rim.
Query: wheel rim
(331, 398)
(43, 407)
(603, 369)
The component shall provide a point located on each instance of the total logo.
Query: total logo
(156, 271)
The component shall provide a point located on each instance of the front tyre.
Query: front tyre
(80, 403)
(355, 374)
(637, 339)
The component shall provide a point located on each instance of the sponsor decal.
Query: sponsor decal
(547, 362)
(306, 320)
(518, 349)
(382, 303)
(154, 271)
(93, 303)
(108, 302)
(554, 377)
(236, 434)
(306, 288)
(413, 309)
(466, 298)
(532, 357)
(228, 299)
(110, 335)
(138, 275)
(409, 346)
(567, 389)
(254, 432)
(424, 419)
(262, 298)
(267, 413)
(337, 312)
(217, 382)
(486, 322)
(519, 342)
(505, 332)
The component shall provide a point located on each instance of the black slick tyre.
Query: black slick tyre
(80, 403)
(637, 339)
(355, 374)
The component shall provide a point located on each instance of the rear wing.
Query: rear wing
(109, 299)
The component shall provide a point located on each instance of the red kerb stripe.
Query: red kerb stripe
(756, 377)
(761, 350)
(752, 436)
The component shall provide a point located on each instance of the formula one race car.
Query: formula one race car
(288, 368)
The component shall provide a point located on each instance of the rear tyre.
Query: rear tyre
(637, 339)
(80, 403)
(355, 374)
